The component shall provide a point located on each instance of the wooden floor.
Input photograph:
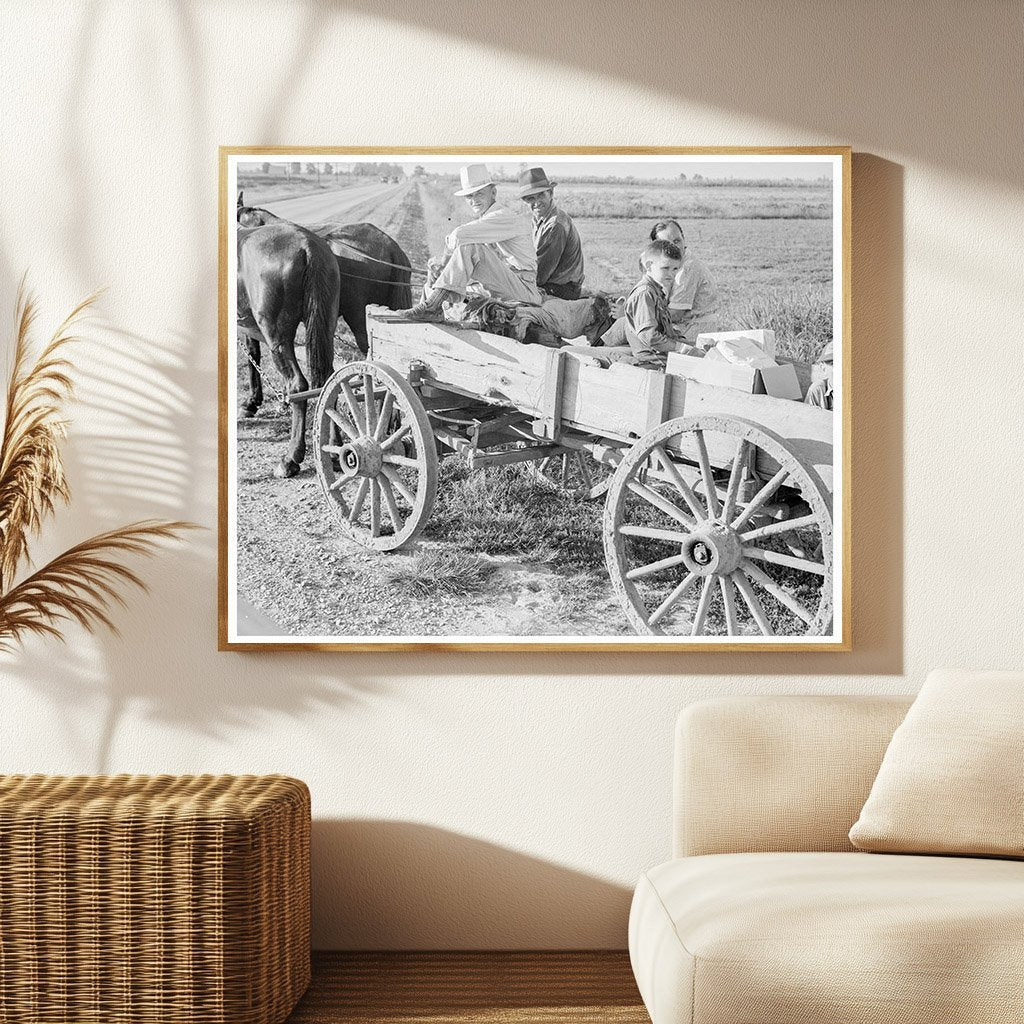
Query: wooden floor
(465, 988)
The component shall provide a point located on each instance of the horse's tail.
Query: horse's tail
(401, 289)
(320, 309)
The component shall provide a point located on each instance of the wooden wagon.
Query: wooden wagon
(717, 503)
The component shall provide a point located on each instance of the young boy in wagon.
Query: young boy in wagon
(646, 325)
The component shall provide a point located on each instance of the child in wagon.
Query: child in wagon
(646, 325)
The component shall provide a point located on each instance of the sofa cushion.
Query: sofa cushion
(950, 781)
(791, 938)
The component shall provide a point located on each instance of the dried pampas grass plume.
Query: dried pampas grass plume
(82, 583)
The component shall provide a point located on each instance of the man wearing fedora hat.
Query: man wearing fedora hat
(492, 255)
(559, 252)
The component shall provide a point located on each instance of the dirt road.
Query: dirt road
(338, 204)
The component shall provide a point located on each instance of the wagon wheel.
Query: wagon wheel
(375, 455)
(573, 472)
(679, 550)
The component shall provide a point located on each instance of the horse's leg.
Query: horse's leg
(359, 331)
(281, 337)
(352, 309)
(295, 381)
(252, 347)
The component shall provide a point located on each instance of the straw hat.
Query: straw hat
(474, 177)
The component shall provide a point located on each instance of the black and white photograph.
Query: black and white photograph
(577, 399)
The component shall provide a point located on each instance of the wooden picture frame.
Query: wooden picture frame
(721, 486)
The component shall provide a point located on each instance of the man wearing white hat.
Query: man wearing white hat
(492, 255)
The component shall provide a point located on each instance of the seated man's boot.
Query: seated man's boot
(427, 310)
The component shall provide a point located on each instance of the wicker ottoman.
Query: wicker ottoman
(171, 899)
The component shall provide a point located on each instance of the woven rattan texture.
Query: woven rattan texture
(144, 899)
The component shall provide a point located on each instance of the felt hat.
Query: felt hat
(532, 181)
(474, 177)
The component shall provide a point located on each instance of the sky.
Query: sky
(767, 167)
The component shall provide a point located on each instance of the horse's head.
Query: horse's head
(254, 217)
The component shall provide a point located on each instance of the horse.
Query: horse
(359, 253)
(373, 266)
(287, 275)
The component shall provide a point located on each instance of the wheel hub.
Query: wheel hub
(361, 457)
(714, 550)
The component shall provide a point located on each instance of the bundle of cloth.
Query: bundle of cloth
(554, 323)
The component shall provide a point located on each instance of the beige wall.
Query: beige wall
(487, 800)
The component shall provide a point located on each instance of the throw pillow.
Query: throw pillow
(952, 779)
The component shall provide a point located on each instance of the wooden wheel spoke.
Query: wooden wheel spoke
(393, 439)
(350, 401)
(721, 483)
(375, 412)
(706, 474)
(652, 567)
(392, 506)
(342, 423)
(396, 482)
(652, 497)
(588, 480)
(778, 592)
(750, 599)
(652, 533)
(781, 527)
(729, 600)
(680, 484)
(564, 477)
(702, 606)
(374, 508)
(545, 464)
(359, 501)
(760, 498)
(735, 479)
(370, 406)
(666, 606)
(385, 414)
(790, 561)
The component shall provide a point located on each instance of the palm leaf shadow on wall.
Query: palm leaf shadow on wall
(83, 583)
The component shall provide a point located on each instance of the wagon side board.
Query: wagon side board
(619, 402)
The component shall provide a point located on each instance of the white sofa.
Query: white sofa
(768, 915)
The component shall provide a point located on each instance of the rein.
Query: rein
(346, 245)
(373, 259)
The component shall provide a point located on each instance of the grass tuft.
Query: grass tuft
(800, 318)
(504, 510)
(440, 572)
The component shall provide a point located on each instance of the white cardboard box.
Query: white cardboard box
(764, 340)
(777, 381)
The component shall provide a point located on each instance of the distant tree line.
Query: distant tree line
(368, 169)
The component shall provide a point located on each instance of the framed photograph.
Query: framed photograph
(535, 399)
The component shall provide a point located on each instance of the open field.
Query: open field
(501, 552)
(690, 202)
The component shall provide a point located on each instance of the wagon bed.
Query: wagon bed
(566, 389)
(718, 503)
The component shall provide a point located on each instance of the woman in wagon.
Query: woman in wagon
(694, 296)
(491, 256)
